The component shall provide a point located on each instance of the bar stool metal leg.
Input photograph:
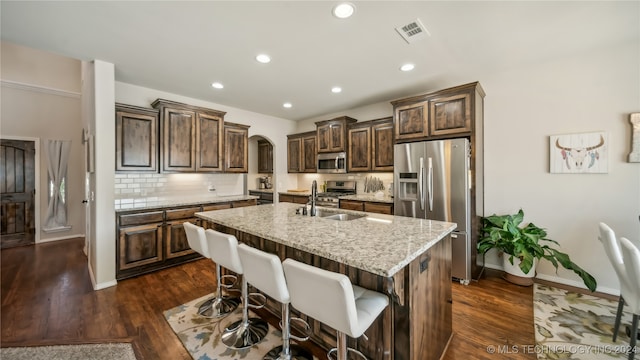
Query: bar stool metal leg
(287, 351)
(220, 305)
(342, 351)
(246, 332)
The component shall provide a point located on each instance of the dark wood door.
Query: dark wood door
(136, 138)
(236, 138)
(294, 150)
(382, 146)
(176, 244)
(209, 143)
(265, 157)
(412, 121)
(139, 245)
(331, 137)
(359, 149)
(451, 114)
(309, 153)
(17, 185)
(178, 140)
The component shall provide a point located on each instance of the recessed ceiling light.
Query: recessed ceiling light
(407, 67)
(217, 85)
(287, 105)
(336, 89)
(263, 58)
(343, 10)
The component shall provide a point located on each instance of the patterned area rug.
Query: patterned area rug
(122, 351)
(201, 336)
(576, 326)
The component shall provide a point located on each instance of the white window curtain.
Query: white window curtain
(58, 159)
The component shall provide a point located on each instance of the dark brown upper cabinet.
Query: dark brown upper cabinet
(265, 157)
(382, 145)
(332, 134)
(370, 146)
(191, 137)
(309, 152)
(412, 121)
(439, 115)
(301, 152)
(236, 139)
(209, 151)
(359, 148)
(294, 152)
(136, 139)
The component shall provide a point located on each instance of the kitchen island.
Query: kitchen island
(408, 259)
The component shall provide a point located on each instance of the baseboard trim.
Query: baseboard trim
(566, 284)
(66, 237)
(99, 286)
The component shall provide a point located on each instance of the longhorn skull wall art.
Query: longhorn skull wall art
(579, 153)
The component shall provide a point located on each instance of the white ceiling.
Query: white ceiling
(182, 47)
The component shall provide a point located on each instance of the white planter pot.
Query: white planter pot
(514, 274)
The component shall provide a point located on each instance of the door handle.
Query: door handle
(430, 185)
(84, 201)
(421, 184)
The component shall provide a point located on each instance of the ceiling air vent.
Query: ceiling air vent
(413, 31)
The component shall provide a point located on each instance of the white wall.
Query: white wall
(103, 256)
(593, 91)
(41, 100)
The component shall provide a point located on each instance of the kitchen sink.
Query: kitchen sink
(332, 215)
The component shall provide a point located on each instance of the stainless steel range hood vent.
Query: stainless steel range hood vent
(413, 31)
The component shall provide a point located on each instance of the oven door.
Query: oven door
(332, 163)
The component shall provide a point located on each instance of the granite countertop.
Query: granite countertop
(371, 197)
(380, 244)
(156, 203)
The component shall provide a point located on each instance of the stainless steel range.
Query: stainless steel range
(334, 190)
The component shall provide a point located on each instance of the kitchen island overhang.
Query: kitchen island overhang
(408, 259)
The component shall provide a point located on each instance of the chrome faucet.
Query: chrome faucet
(314, 195)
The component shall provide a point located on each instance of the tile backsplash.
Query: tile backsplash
(305, 180)
(153, 187)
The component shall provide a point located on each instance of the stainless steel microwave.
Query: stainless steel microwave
(332, 163)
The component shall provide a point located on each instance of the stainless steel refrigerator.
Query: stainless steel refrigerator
(431, 181)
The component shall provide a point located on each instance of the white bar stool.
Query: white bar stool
(330, 298)
(264, 271)
(631, 259)
(219, 305)
(246, 332)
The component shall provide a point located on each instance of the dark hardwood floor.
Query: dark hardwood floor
(47, 299)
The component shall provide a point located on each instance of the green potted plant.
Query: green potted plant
(522, 248)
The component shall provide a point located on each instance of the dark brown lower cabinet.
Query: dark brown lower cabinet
(297, 199)
(140, 246)
(150, 240)
(176, 243)
(368, 206)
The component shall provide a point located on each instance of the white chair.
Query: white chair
(264, 271)
(219, 305)
(631, 258)
(245, 332)
(614, 253)
(330, 298)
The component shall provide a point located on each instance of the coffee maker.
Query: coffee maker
(264, 182)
